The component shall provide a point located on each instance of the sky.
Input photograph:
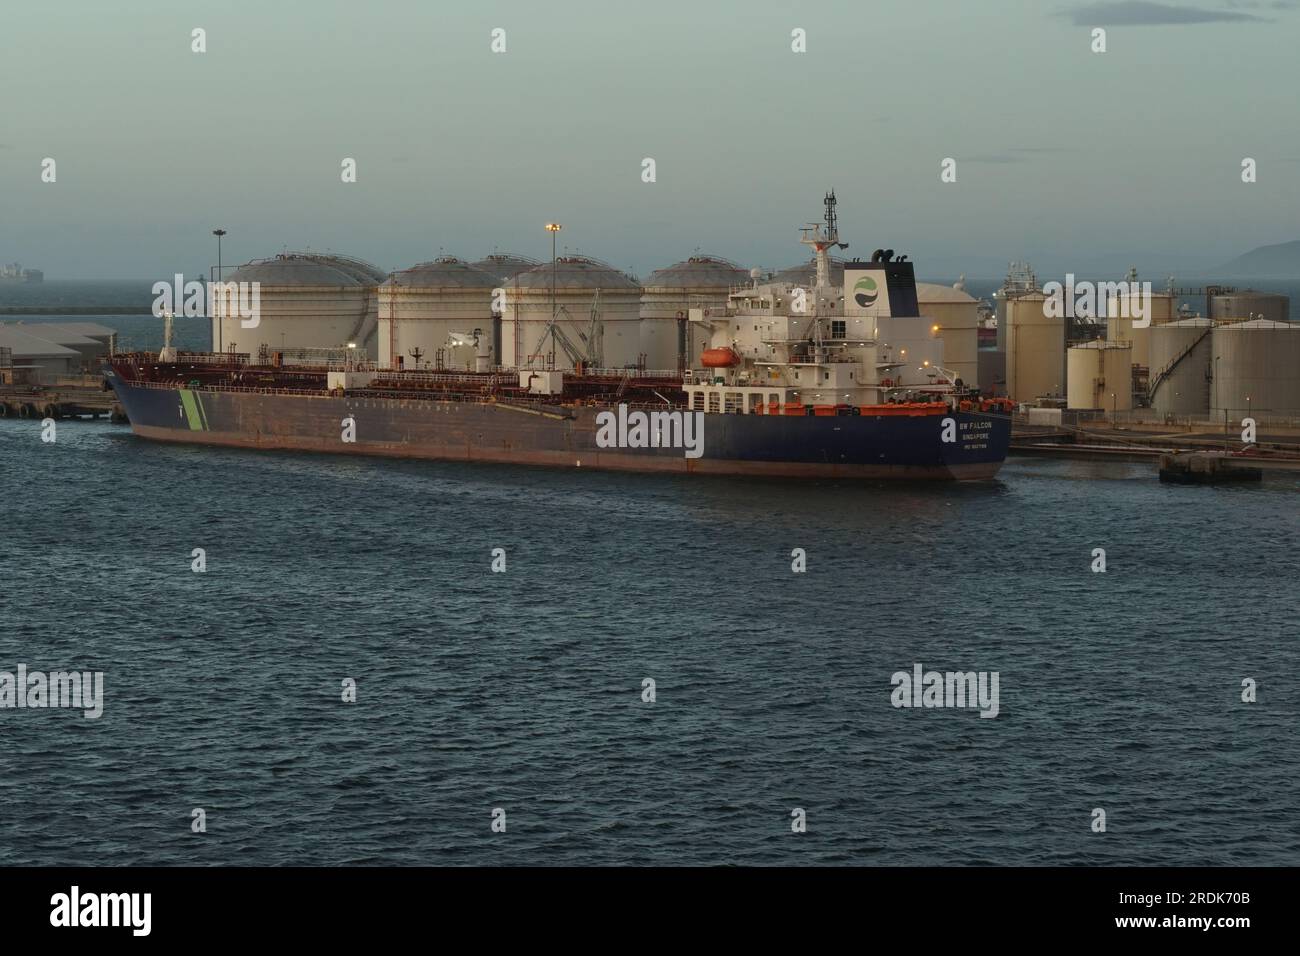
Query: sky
(1072, 159)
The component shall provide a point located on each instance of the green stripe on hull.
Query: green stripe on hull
(194, 416)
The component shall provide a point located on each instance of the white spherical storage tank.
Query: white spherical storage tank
(1255, 370)
(956, 314)
(305, 300)
(581, 284)
(1100, 375)
(420, 308)
(1180, 367)
(700, 282)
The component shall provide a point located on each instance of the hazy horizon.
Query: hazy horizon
(1071, 159)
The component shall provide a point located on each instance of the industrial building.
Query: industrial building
(700, 282)
(430, 313)
(41, 353)
(597, 310)
(307, 300)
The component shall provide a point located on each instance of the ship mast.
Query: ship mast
(822, 239)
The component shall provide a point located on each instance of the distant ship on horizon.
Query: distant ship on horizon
(14, 272)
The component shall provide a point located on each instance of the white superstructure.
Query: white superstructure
(858, 342)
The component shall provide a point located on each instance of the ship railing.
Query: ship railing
(212, 358)
(447, 378)
(218, 387)
(633, 371)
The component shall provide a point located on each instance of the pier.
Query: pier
(60, 401)
(1277, 451)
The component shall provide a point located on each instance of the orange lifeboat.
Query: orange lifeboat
(719, 358)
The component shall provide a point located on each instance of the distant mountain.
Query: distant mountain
(1281, 261)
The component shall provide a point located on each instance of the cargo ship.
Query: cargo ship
(829, 380)
(14, 272)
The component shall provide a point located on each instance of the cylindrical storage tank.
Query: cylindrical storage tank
(304, 301)
(577, 281)
(505, 265)
(956, 313)
(1035, 349)
(1100, 375)
(700, 282)
(420, 308)
(1180, 368)
(1254, 367)
(1247, 305)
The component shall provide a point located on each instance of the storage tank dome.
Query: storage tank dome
(364, 272)
(307, 301)
(505, 265)
(671, 292)
(581, 285)
(290, 269)
(573, 272)
(445, 272)
(934, 292)
(707, 272)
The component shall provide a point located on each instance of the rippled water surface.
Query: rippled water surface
(523, 690)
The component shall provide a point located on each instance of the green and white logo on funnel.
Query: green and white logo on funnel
(865, 291)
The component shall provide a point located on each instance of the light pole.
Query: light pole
(218, 233)
(553, 228)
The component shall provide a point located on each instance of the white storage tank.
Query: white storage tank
(700, 282)
(956, 314)
(420, 308)
(1180, 367)
(1035, 349)
(581, 283)
(307, 301)
(1255, 367)
(1100, 375)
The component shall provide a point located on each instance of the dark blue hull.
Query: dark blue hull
(929, 446)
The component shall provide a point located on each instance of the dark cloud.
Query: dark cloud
(1139, 13)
